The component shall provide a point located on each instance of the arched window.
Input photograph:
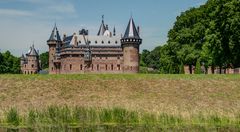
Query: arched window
(102, 42)
(97, 66)
(81, 67)
(32, 65)
(70, 66)
(112, 67)
(106, 67)
(118, 67)
(109, 42)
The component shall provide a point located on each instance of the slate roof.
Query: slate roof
(131, 31)
(55, 35)
(32, 51)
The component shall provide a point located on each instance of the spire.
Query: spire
(102, 28)
(55, 34)
(114, 31)
(131, 31)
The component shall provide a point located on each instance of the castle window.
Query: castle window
(32, 65)
(112, 67)
(116, 42)
(109, 42)
(106, 67)
(102, 42)
(95, 42)
(92, 66)
(31, 72)
(81, 67)
(70, 66)
(118, 66)
(131, 68)
(52, 68)
(97, 67)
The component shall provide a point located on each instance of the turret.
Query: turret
(130, 44)
(54, 43)
(32, 61)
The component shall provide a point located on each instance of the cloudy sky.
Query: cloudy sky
(24, 22)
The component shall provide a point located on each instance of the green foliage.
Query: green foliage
(64, 118)
(181, 68)
(13, 117)
(198, 67)
(210, 33)
(9, 63)
(44, 60)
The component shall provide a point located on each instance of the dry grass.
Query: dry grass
(183, 95)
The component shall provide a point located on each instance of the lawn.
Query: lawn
(214, 97)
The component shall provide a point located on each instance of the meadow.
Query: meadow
(107, 102)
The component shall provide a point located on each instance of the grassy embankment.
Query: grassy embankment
(160, 101)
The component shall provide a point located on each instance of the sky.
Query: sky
(27, 22)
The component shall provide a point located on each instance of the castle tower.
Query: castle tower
(30, 64)
(54, 43)
(130, 44)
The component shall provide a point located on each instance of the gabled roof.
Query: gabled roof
(55, 34)
(102, 29)
(131, 31)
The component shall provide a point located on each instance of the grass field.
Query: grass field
(214, 98)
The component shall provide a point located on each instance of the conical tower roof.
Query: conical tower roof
(55, 35)
(102, 28)
(131, 31)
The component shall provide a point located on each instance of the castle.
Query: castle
(30, 64)
(105, 52)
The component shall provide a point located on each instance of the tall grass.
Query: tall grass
(64, 118)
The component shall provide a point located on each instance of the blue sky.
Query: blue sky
(24, 22)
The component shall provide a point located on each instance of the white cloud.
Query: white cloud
(13, 12)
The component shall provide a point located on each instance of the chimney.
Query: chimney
(75, 40)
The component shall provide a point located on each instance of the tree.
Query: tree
(44, 60)
(181, 69)
(198, 67)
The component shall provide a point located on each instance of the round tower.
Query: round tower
(130, 44)
(53, 42)
(32, 61)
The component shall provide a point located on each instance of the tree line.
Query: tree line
(206, 36)
(9, 63)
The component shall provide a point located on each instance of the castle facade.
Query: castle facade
(106, 52)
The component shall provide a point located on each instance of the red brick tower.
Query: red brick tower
(130, 44)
